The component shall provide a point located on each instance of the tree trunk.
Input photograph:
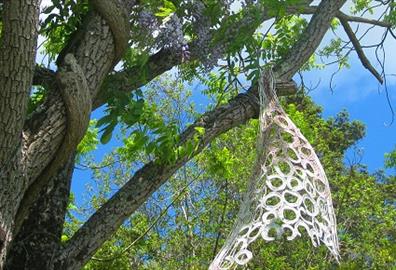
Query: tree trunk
(17, 54)
(27, 155)
(40, 235)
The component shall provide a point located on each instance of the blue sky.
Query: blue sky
(359, 93)
(355, 90)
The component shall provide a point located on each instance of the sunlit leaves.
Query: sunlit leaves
(36, 98)
(361, 5)
(166, 10)
(62, 19)
(391, 16)
(390, 159)
(121, 107)
(90, 140)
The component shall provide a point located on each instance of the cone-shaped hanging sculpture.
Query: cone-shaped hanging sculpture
(287, 193)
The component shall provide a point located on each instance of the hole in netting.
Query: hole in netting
(319, 185)
(283, 167)
(268, 218)
(325, 222)
(226, 263)
(290, 197)
(295, 184)
(322, 206)
(272, 114)
(243, 257)
(270, 171)
(272, 201)
(309, 205)
(306, 151)
(238, 246)
(281, 121)
(258, 213)
(317, 228)
(310, 169)
(288, 232)
(292, 155)
(269, 160)
(289, 215)
(255, 232)
(309, 187)
(306, 217)
(302, 229)
(287, 137)
(244, 231)
(276, 182)
(319, 218)
(300, 172)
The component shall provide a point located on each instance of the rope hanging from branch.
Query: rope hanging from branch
(288, 191)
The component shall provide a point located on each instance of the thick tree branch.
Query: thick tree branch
(356, 44)
(110, 216)
(349, 18)
(45, 130)
(311, 38)
(60, 123)
(356, 19)
(164, 60)
(116, 16)
(34, 246)
(77, 99)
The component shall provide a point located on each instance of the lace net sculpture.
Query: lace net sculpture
(287, 193)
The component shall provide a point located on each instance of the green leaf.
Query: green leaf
(106, 120)
(200, 130)
(107, 133)
(166, 10)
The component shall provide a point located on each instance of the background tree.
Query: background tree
(187, 220)
(41, 126)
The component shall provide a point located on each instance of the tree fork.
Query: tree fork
(76, 98)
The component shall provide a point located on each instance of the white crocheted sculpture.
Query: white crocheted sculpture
(288, 189)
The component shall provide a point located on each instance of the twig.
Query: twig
(116, 256)
(365, 62)
(221, 220)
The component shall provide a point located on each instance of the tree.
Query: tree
(41, 129)
(186, 221)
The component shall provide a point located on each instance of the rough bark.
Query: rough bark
(39, 238)
(77, 100)
(17, 54)
(167, 58)
(148, 179)
(55, 126)
(96, 53)
(58, 125)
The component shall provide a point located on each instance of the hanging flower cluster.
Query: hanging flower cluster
(171, 34)
(203, 45)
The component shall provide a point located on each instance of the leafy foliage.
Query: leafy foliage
(193, 226)
(62, 20)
